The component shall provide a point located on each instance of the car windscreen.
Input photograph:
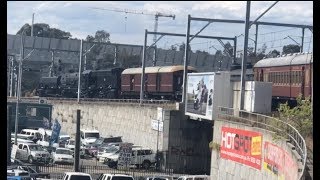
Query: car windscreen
(95, 135)
(121, 178)
(35, 148)
(112, 149)
(63, 151)
(79, 177)
(72, 142)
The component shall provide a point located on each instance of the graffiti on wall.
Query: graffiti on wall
(241, 146)
(278, 162)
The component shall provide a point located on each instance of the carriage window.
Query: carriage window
(282, 77)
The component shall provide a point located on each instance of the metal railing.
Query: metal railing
(290, 133)
(56, 171)
(126, 101)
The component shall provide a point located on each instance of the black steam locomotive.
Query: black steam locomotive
(94, 84)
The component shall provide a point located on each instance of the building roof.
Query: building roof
(294, 59)
(156, 69)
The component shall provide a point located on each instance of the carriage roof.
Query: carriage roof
(157, 69)
(295, 59)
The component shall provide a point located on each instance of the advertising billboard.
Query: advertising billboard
(125, 155)
(200, 93)
(241, 146)
(278, 162)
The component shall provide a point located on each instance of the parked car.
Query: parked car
(144, 157)
(62, 155)
(18, 174)
(76, 176)
(93, 150)
(33, 172)
(115, 177)
(70, 144)
(63, 139)
(106, 152)
(88, 137)
(194, 177)
(32, 153)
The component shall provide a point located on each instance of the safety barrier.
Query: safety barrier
(269, 123)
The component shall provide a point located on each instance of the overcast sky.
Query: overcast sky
(80, 19)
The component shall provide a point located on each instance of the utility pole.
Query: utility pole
(143, 67)
(186, 62)
(302, 41)
(245, 55)
(8, 135)
(32, 24)
(77, 145)
(19, 88)
(79, 74)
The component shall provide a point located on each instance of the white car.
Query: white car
(107, 151)
(62, 155)
(71, 144)
(76, 175)
(115, 177)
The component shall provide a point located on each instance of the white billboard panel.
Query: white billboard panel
(206, 92)
(199, 98)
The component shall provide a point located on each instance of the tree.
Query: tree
(90, 38)
(300, 116)
(102, 36)
(183, 46)
(44, 30)
(218, 53)
(272, 54)
(291, 48)
(174, 48)
(228, 50)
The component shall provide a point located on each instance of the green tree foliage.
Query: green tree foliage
(272, 54)
(228, 50)
(44, 30)
(183, 46)
(300, 116)
(102, 36)
(174, 48)
(291, 48)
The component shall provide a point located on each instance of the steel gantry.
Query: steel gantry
(162, 34)
(248, 25)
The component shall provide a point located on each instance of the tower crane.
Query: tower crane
(156, 15)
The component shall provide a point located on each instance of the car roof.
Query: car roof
(63, 149)
(77, 173)
(123, 175)
(89, 131)
(30, 130)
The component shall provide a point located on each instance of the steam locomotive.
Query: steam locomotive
(161, 82)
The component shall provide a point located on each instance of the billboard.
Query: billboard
(125, 151)
(200, 93)
(278, 162)
(241, 146)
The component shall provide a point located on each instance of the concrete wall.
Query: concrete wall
(188, 147)
(228, 169)
(184, 143)
(133, 123)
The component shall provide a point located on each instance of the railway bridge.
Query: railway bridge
(184, 143)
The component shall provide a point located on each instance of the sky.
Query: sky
(81, 19)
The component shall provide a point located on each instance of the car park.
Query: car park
(62, 155)
(12, 172)
(32, 153)
(115, 177)
(76, 176)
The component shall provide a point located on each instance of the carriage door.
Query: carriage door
(261, 75)
(302, 81)
(131, 82)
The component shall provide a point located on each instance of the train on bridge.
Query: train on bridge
(291, 75)
(161, 82)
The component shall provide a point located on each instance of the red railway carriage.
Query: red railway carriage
(161, 82)
(291, 75)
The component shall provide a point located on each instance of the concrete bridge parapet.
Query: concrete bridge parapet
(254, 146)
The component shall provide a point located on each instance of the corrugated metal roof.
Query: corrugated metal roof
(156, 69)
(294, 59)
